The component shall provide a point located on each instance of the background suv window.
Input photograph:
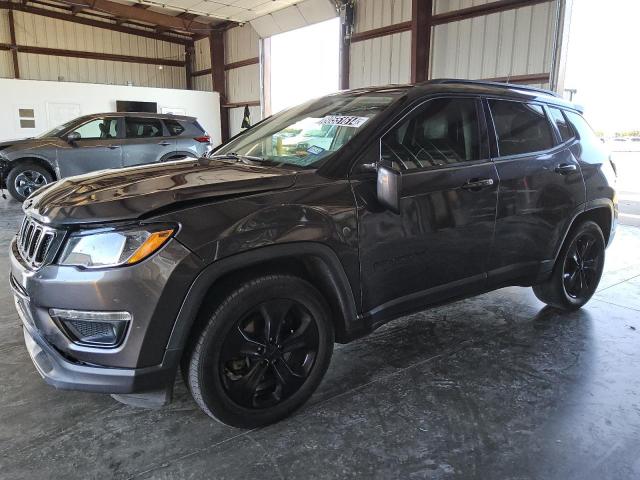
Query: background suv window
(445, 131)
(174, 127)
(520, 127)
(101, 128)
(563, 126)
(143, 127)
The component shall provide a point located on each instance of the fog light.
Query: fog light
(100, 329)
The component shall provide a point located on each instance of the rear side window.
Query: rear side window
(521, 127)
(445, 131)
(561, 122)
(175, 128)
(143, 127)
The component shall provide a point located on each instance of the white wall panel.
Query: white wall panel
(241, 43)
(39, 31)
(514, 42)
(381, 61)
(202, 55)
(243, 84)
(372, 14)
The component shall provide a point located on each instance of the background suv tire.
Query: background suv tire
(25, 178)
(262, 352)
(577, 270)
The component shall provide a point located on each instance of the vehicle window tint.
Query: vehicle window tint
(588, 138)
(445, 131)
(101, 128)
(143, 127)
(174, 127)
(563, 126)
(521, 127)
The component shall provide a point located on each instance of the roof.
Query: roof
(140, 115)
(479, 87)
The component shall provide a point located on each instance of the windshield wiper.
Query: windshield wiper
(248, 159)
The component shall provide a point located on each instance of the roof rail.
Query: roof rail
(454, 81)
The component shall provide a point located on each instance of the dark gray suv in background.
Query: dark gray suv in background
(96, 142)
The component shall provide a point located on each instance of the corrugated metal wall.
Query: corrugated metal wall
(243, 84)
(6, 62)
(510, 43)
(383, 60)
(35, 30)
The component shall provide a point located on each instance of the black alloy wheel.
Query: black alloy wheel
(581, 266)
(263, 348)
(577, 271)
(269, 353)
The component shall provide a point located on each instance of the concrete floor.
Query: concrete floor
(492, 387)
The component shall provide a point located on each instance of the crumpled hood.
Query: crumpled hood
(130, 193)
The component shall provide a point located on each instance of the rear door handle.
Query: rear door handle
(113, 147)
(165, 144)
(478, 184)
(565, 168)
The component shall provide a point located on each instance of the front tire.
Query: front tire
(263, 352)
(577, 271)
(25, 178)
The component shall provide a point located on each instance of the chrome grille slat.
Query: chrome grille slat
(37, 243)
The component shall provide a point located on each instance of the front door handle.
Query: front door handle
(165, 144)
(478, 184)
(113, 147)
(565, 168)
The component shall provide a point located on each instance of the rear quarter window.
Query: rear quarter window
(175, 128)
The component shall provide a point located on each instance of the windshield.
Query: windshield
(307, 134)
(54, 132)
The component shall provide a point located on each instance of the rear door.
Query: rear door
(437, 246)
(97, 148)
(541, 190)
(146, 141)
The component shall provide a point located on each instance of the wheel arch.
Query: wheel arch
(37, 160)
(314, 262)
(601, 212)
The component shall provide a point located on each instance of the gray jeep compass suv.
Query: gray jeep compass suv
(95, 142)
(245, 267)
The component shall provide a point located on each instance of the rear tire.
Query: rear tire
(25, 178)
(577, 270)
(262, 353)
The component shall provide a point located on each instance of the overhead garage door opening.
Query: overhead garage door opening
(304, 64)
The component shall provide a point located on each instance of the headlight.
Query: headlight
(112, 248)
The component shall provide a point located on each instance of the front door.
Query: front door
(97, 148)
(541, 190)
(146, 141)
(437, 245)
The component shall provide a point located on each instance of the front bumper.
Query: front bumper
(152, 291)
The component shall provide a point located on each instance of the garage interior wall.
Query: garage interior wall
(242, 67)
(516, 43)
(39, 31)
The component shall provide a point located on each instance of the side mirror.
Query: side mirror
(389, 187)
(73, 137)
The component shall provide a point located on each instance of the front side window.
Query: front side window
(445, 131)
(100, 129)
(521, 127)
(307, 135)
(563, 126)
(143, 127)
